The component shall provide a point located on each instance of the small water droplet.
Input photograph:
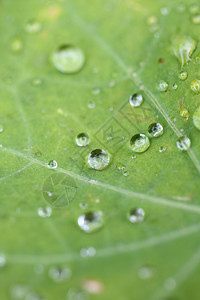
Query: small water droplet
(170, 284)
(52, 164)
(145, 272)
(1, 128)
(85, 252)
(120, 167)
(162, 149)
(59, 274)
(136, 100)
(165, 11)
(139, 143)
(91, 221)
(2, 260)
(33, 26)
(133, 156)
(83, 205)
(175, 86)
(68, 59)
(16, 45)
(91, 104)
(195, 86)
(183, 143)
(183, 75)
(44, 212)
(183, 48)
(98, 159)
(95, 91)
(18, 292)
(162, 86)
(194, 9)
(111, 83)
(196, 19)
(136, 215)
(184, 113)
(155, 129)
(82, 139)
(196, 118)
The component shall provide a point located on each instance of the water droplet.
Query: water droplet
(139, 143)
(98, 159)
(91, 221)
(44, 212)
(85, 252)
(175, 86)
(33, 26)
(1, 128)
(16, 45)
(145, 272)
(165, 11)
(95, 91)
(136, 100)
(162, 149)
(162, 86)
(2, 260)
(120, 167)
(52, 164)
(155, 129)
(68, 59)
(125, 173)
(111, 83)
(195, 86)
(183, 143)
(170, 284)
(91, 104)
(183, 75)
(183, 48)
(33, 296)
(59, 274)
(194, 9)
(18, 292)
(83, 205)
(82, 139)
(77, 294)
(136, 215)
(196, 118)
(184, 113)
(196, 19)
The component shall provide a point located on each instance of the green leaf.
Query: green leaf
(46, 182)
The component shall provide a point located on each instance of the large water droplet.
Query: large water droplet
(183, 47)
(68, 59)
(91, 221)
(52, 164)
(182, 75)
(136, 215)
(59, 274)
(136, 100)
(155, 129)
(139, 143)
(44, 212)
(82, 139)
(162, 86)
(33, 26)
(183, 143)
(98, 159)
(196, 118)
(195, 86)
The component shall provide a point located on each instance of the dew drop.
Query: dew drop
(155, 129)
(162, 86)
(184, 113)
(170, 284)
(44, 212)
(139, 143)
(52, 164)
(95, 91)
(183, 48)
(162, 149)
(196, 118)
(183, 75)
(165, 11)
(18, 292)
(98, 159)
(196, 19)
(33, 26)
(68, 59)
(183, 143)
(136, 100)
(1, 128)
(16, 45)
(175, 86)
(195, 86)
(136, 215)
(91, 221)
(91, 105)
(83, 205)
(59, 274)
(82, 139)
(2, 260)
(85, 252)
(194, 9)
(145, 272)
